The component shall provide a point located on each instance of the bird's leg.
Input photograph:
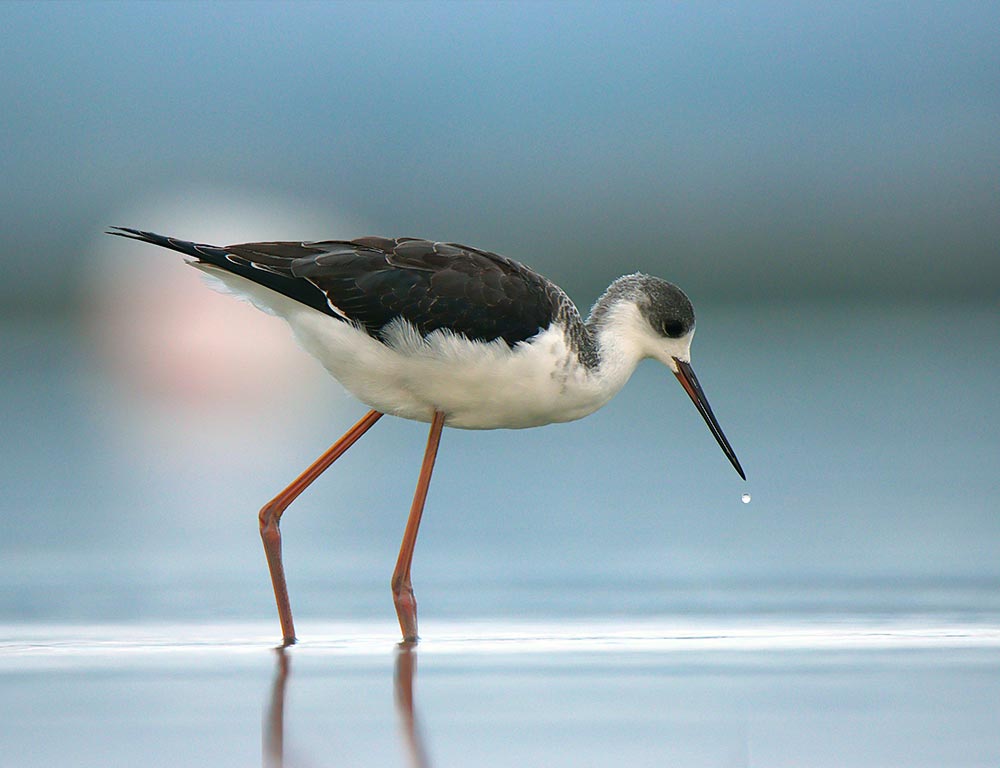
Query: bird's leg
(270, 517)
(402, 589)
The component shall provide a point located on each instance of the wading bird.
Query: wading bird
(449, 335)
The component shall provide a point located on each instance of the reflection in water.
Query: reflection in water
(406, 670)
(273, 737)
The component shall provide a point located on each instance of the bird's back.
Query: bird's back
(372, 281)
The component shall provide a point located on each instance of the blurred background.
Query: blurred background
(823, 181)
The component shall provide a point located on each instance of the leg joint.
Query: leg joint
(269, 516)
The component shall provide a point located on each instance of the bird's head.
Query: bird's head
(657, 318)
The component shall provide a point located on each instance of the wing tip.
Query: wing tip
(137, 234)
(132, 234)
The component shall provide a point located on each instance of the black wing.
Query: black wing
(372, 281)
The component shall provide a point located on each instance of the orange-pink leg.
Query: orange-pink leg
(270, 517)
(402, 589)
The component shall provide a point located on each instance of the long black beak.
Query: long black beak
(685, 375)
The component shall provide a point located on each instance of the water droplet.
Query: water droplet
(745, 498)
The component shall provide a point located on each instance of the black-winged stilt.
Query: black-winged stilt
(450, 335)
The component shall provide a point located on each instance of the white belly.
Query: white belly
(476, 385)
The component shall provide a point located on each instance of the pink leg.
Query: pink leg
(270, 517)
(402, 589)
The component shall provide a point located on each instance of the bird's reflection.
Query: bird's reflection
(273, 739)
(406, 670)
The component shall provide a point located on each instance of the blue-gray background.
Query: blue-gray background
(822, 180)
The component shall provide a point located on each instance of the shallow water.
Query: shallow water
(557, 693)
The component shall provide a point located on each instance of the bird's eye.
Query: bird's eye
(673, 328)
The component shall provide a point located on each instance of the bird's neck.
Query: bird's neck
(610, 343)
(617, 347)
